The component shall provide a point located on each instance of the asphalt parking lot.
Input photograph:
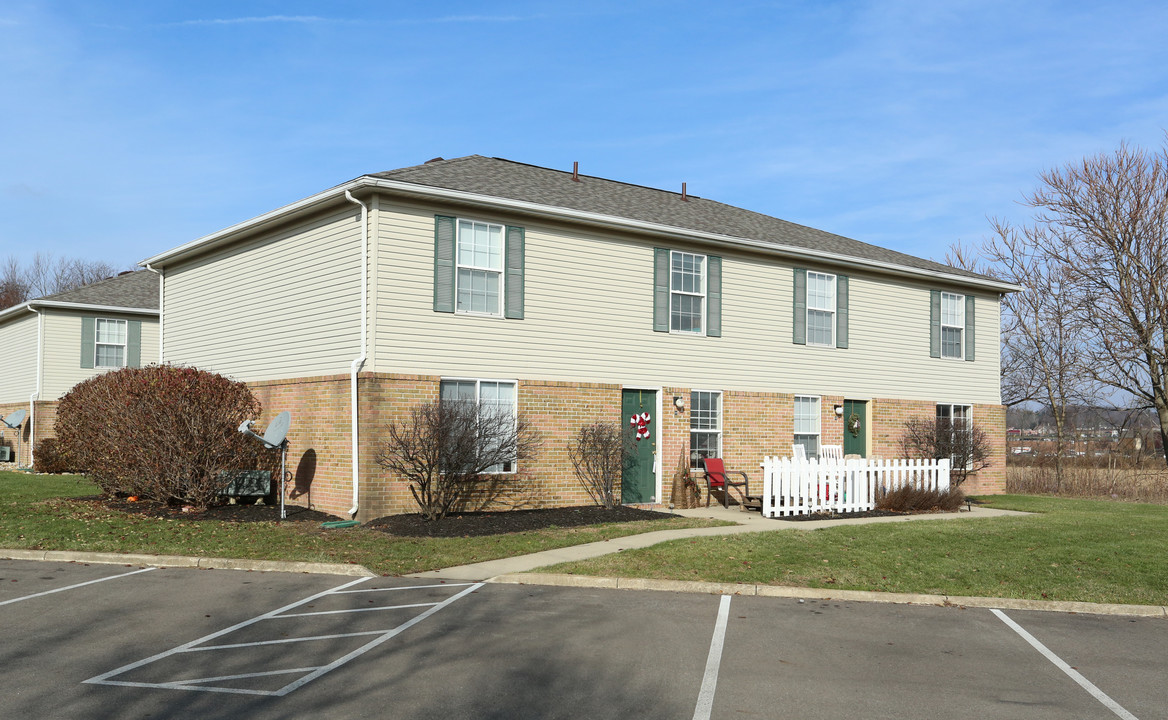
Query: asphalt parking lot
(108, 641)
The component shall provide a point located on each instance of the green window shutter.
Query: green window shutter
(88, 337)
(841, 311)
(969, 328)
(800, 307)
(713, 296)
(444, 268)
(513, 304)
(660, 290)
(935, 323)
(133, 343)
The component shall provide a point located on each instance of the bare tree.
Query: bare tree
(1046, 355)
(451, 451)
(964, 443)
(13, 288)
(47, 274)
(599, 453)
(1102, 223)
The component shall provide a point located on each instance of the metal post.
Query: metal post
(283, 454)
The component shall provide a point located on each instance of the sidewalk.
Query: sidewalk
(747, 522)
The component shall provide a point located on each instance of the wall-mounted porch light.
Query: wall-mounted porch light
(839, 410)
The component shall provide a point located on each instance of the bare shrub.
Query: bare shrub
(913, 499)
(930, 438)
(456, 451)
(163, 432)
(599, 454)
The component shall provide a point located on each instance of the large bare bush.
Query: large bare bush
(599, 453)
(931, 438)
(454, 452)
(163, 432)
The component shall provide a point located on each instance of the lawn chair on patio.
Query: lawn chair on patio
(798, 452)
(718, 478)
(831, 452)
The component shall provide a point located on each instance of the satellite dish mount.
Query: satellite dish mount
(276, 437)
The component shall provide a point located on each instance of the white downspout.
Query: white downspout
(359, 361)
(32, 398)
(161, 305)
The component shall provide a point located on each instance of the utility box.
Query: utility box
(5, 453)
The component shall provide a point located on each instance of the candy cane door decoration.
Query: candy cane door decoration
(638, 413)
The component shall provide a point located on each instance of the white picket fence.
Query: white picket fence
(801, 487)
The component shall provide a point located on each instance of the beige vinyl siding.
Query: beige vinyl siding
(286, 304)
(62, 359)
(589, 302)
(18, 358)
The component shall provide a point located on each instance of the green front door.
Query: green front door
(639, 423)
(856, 428)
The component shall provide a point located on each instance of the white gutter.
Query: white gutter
(39, 381)
(359, 361)
(426, 191)
(161, 307)
(87, 307)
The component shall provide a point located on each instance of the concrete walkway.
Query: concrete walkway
(747, 522)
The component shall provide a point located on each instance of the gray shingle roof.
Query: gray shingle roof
(529, 183)
(137, 289)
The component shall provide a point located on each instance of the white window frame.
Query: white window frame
(478, 399)
(967, 420)
(124, 345)
(459, 266)
(818, 417)
(831, 309)
(695, 460)
(685, 293)
(960, 326)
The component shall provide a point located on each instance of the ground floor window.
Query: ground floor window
(807, 424)
(953, 426)
(493, 394)
(705, 426)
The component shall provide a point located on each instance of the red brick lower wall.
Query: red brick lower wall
(754, 424)
(37, 428)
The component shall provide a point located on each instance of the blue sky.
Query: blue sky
(131, 127)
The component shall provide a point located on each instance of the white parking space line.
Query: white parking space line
(309, 673)
(713, 663)
(357, 610)
(71, 587)
(402, 587)
(1074, 674)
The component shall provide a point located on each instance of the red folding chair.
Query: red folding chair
(718, 478)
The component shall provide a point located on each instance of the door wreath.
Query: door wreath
(854, 425)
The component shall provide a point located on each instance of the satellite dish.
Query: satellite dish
(274, 438)
(15, 419)
(277, 430)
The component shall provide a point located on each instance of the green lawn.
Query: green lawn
(41, 512)
(1083, 550)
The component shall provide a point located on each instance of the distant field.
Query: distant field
(1144, 483)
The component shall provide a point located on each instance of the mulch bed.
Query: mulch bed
(497, 523)
(229, 513)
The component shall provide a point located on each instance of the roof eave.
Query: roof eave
(332, 195)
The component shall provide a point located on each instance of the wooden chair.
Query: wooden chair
(717, 478)
(798, 452)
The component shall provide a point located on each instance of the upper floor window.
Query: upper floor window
(687, 292)
(952, 325)
(480, 267)
(821, 307)
(109, 349)
(705, 426)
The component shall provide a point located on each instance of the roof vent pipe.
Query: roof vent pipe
(576, 171)
(684, 197)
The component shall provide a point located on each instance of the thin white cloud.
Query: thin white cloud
(304, 19)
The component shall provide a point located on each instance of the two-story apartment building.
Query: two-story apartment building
(574, 299)
(50, 344)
